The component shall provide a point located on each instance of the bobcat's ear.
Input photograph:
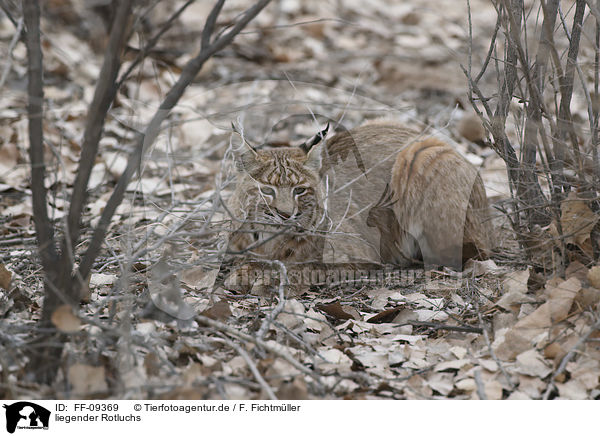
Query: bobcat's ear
(314, 149)
(246, 157)
(317, 139)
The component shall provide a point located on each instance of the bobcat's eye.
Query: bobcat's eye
(299, 191)
(267, 191)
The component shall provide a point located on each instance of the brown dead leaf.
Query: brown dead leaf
(515, 291)
(451, 365)
(65, 320)
(515, 342)
(577, 221)
(296, 390)
(5, 277)
(471, 128)
(218, 311)
(385, 316)
(338, 311)
(152, 364)
(553, 350)
(593, 276)
(587, 371)
(578, 270)
(86, 379)
(588, 297)
(441, 382)
(561, 297)
(199, 278)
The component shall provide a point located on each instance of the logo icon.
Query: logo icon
(26, 415)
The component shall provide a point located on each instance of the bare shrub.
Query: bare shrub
(540, 59)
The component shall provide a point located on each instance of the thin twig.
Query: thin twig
(253, 369)
(277, 350)
(480, 387)
(283, 282)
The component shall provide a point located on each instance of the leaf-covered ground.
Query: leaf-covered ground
(158, 322)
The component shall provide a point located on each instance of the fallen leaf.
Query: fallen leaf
(100, 279)
(65, 320)
(452, 364)
(481, 267)
(87, 379)
(315, 321)
(533, 364)
(572, 390)
(466, 384)
(576, 269)
(334, 360)
(199, 278)
(561, 297)
(430, 315)
(338, 311)
(518, 395)
(459, 352)
(5, 277)
(370, 358)
(515, 291)
(385, 316)
(219, 311)
(577, 221)
(594, 276)
(292, 315)
(441, 383)
(521, 336)
(295, 390)
(553, 350)
(493, 390)
(588, 297)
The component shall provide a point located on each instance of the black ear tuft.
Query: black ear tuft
(308, 145)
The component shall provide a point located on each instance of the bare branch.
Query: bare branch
(209, 26)
(188, 74)
(283, 282)
(104, 95)
(565, 123)
(35, 111)
(253, 369)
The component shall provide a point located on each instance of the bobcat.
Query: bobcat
(379, 193)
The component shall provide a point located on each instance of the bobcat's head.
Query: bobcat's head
(282, 185)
